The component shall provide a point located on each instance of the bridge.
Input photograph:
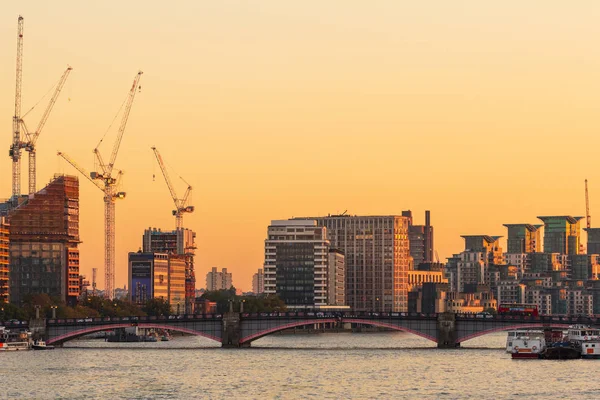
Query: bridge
(236, 330)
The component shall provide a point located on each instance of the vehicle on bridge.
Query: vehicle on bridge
(529, 310)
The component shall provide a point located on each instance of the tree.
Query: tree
(156, 307)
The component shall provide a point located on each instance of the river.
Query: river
(334, 366)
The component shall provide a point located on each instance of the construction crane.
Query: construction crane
(104, 180)
(15, 148)
(32, 137)
(588, 217)
(181, 205)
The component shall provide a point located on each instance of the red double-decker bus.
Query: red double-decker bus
(530, 310)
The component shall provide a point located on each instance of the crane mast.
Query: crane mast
(588, 217)
(181, 206)
(15, 148)
(32, 138)
(105, 181)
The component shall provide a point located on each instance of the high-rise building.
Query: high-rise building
(148, 277)
(584, 266)
(258, 282)
(300, 266)
(481, 251)
(219, 280)
(421, 239)
(561, 234)
(180, 242)
(4, 252)
(377, 258)
(523, 238)
(44, 235)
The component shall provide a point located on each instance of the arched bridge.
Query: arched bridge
(240, 329)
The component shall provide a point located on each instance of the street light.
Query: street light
(177, 308)
(53, 311)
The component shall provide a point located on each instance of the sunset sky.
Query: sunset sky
(484, 113)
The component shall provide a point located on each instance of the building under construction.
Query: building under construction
(4, 232)
(44, 235)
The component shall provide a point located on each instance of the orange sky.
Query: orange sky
(485, 113)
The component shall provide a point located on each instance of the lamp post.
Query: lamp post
(242, 305)
(2, 318)
(53, 308)
(177, 308)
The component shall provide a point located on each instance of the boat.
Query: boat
(512, 335)
(165, 338)
(585, 339)
(12, 340)
(590, 349)
(560, 351)
(41, 345)
(525, 347)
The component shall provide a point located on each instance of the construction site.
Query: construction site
(39, 230)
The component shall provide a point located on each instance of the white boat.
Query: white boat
(512, 335)
(41, 345)
(11, 340)
(527, 347)
(586, 340)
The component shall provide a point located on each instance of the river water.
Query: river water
(336, 366)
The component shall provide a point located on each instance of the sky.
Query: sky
(484, 113)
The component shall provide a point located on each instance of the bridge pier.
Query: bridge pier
(37, 326)
(232, 331)
(446, 331)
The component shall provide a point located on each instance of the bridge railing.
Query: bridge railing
(336, 314)
(135, 319)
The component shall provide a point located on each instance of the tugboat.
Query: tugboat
(41, 345)
(525, 347)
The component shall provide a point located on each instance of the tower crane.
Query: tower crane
(588, 217)
(104, 180)
(32, 137)
(181, 205)
(15, 148)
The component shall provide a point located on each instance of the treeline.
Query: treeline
(90, 307)
(261, 303)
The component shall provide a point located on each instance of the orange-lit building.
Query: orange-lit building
(44, 235)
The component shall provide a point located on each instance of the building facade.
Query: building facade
(44, 238)
(523, 238)
(181, 242)
(377, 259)
(296, 263)
(561, 234)
(219, 280)
(420, 239)
(177, 268)
(336, 278)
(148, 277)
(4, 254)
(258, 282)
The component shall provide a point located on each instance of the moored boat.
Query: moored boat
(11, 340)
(525, 347)
(512, 335)
(590, 349)
(560, 351)
(586, 340)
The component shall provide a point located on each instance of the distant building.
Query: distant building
(148, 277)
(561, 234)
(420, 238)
(523, 238)
(219, 280)
(180, 242)
(258, 282)
(44, 238)
(376, 256)
(204, 306)
(4, 265)
(579, 303)
(471, 267)
(584, 266)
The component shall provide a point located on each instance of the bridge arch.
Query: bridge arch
(511, 328)
(97, 328)
(282, 327)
